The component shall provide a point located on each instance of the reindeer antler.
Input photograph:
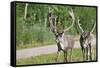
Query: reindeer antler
(93, 26)
(50, 10)
(71, 13)
(80, 25)
(52, 20)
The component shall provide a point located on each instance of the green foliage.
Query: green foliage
(86, 14)
(34, 27)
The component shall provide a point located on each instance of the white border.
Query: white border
(5, 33)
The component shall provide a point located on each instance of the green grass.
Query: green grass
(50, 58)
(34, 44)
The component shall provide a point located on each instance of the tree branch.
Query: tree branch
(25, 10)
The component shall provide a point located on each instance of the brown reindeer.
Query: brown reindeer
(85, 42)
(64, 42)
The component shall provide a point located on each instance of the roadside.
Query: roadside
(36, 51)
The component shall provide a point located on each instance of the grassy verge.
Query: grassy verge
(34, 44)
(50, 58)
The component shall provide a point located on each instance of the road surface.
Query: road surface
(36, 51)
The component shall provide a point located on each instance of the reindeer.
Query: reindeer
(64, 42)
(85, 42)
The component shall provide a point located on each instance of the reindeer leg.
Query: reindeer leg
(83, 53)
(56, 59)
(90, 56)
(82, 48)
(70, 54)
(65, 56)
(86, 53)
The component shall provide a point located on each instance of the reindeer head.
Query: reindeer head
(60, 34)
(86, 36)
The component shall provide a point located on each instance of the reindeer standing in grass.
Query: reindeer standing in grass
(85, 42)
(64, 42)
